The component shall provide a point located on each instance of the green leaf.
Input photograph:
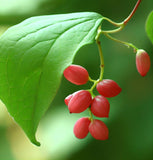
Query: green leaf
(33, 56)
(149, 26)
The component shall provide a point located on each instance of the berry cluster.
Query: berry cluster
(98, 105)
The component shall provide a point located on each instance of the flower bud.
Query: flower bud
(81, 127)
(108, 88)
(76, 74)
(100, 106)
(80, 101)
(142, 62)
(98, 130)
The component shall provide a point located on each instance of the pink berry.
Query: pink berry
(100, 106)
(80, 101)
(142, 62)
(67, 99)
(98, 130)
(108, 88)
(76, 74)
(81, 127)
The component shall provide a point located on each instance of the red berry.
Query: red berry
(81, 127)
(108, 88)
(142, 62)
(80, 101)
(67, 99)
(98, 130)
(100, 106)
(76, 74)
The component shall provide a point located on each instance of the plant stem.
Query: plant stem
(101, 70)
(91, 80)
(101, 60)
(112, 22)
(132, 13)
(94, 85)
(122, 24)
(114, 30)
(90, 113)
(125, 43)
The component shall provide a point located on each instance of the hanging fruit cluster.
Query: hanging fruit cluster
(98, 105)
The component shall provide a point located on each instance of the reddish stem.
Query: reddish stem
(132, 13)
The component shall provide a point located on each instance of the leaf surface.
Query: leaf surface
(33, 56)
(149, 26)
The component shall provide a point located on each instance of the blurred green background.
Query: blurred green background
(131, 115)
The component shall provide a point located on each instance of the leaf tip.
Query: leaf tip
(35, 142)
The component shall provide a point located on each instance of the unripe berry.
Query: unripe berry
(81, 127)
(98, 130)
(67, 99)
(108, 88)
(142, 62)
(100, 106)
(80, 101)
(76, 74)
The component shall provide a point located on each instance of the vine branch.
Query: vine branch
(123, 42)
(132, 13)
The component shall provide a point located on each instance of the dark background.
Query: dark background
(131, 116)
